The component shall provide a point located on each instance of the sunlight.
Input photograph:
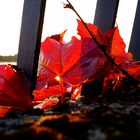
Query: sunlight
(125, 19)
(57, 78)
(57, 19)
(10, 15)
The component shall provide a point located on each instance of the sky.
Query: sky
(57, 19)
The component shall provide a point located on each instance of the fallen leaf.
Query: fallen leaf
(73, 62)
(115, 45)
(14, 88)
(4, 110)
(44, 93)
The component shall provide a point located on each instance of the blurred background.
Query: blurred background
(57, 19)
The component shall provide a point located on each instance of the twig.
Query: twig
(69, 5)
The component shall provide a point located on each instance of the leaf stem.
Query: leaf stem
(62, 88)
(69, 5)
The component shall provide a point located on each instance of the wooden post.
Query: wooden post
(105, 17)
(134, 46)
(30, 37)
(105, 14)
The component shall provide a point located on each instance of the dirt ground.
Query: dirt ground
(114, 116)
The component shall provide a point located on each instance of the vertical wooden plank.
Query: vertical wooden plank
(105, 17)
(105, 14)
(30, 37)
(134, 46)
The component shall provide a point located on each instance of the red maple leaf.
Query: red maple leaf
(115, 45)
(111, 40)
(14, 88)
(74, 62)
(116, 49)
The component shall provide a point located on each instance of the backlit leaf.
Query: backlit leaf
(14, 88)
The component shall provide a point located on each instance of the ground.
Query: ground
(113, 116)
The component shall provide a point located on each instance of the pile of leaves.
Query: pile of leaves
(65, 66)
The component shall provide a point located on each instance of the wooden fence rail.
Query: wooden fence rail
(134, 46)
(30, 37)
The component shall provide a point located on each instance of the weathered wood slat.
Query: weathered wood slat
(30, 37)
(134, 46)
(105, 14)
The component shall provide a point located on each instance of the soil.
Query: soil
(112, 116)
